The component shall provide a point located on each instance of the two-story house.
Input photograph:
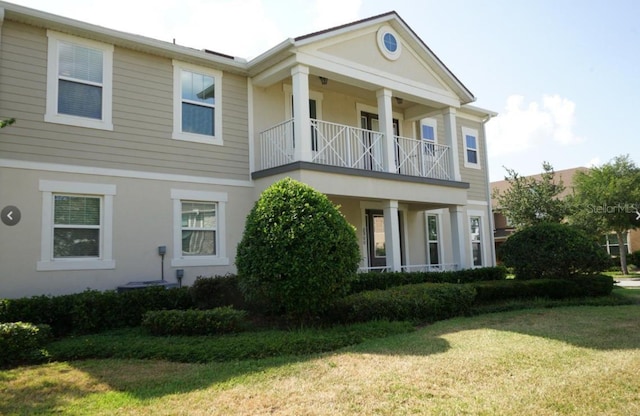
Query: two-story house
(134, 159)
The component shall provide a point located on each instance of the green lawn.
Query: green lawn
(582, 360)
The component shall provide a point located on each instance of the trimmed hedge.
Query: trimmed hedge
(585, 286)
(385, 280)
(132, 344)
(23, 343)
(92, 310)
(195, 322)
(426, 302)
(217, 291)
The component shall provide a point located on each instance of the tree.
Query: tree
(530, 201)
(298, 253)
(607, 199)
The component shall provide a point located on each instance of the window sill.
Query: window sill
(200, 261)
(472, 165)
(78, 121)
(75, 264)
(197, 138)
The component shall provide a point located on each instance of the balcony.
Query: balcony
(355, 148)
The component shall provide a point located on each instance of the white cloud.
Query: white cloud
(326, 16)
(522, 126)
(594, 162)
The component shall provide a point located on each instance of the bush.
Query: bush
(134, 344)
(585, 286)
(385, 280)
(22, 343)
(298, 253)
(195, 322)
(426, 302)
(550, 250)
(91, 310)
(217, 291)
(633, 258)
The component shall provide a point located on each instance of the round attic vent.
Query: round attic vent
(389, 43)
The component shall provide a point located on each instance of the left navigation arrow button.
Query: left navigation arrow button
(10, 215)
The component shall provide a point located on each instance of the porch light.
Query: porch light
(399, 100)
(324, 80)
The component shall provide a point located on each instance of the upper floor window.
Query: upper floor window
(471, 148)
(197, 112)
(79, 82)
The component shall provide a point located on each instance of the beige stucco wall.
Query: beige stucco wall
(142, 221)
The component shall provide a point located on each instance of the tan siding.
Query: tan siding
(142, 116)
(477, 178)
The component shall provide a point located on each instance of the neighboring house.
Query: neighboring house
(503, 229)
(125, 144)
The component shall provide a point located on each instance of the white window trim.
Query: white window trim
(178, 134)
(220, 259)
(390, 55)
(105, 261)
(470, 132)
(431, 122)
(51, 114)
(484, 238)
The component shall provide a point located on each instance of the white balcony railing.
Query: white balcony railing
(351, 147)
(421, 158)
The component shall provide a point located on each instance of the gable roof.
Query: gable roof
(392, 19)
(231, 63)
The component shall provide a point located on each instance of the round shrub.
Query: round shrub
(552, 250)
(298, 253)
(22, 342)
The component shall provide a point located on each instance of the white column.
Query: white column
(451, 139)
(301, 120)
(459, 237)
(385, 117)
(392, 236)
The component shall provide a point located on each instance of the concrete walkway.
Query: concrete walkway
(633, 282)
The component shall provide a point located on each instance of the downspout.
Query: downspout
(1, 23)
(489, 207)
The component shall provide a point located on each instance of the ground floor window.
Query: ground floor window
(199, 228)
(77, 223)
(433, 240)
(611, 243)
(476, 240)
(76, 226)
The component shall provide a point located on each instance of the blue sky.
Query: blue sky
(562, 74)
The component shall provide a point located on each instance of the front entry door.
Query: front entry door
(376, 243)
